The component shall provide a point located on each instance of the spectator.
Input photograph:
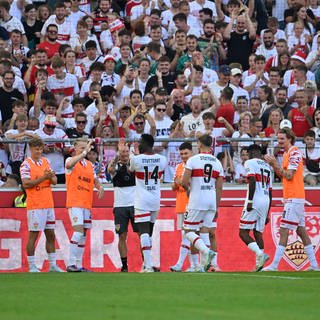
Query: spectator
(50, 45)
(32, 26)
(311, 158)
(273, 126)
(239, 169)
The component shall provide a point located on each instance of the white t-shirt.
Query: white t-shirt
(149, 170)
(250, 79)
(215, 88)
(192, 123)
(205, 169)
(17, 151)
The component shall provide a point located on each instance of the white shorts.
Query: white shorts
(195, 219)
(293, 215)
(80, 217)
(41, 219)
(254, 219)
(145, 216)
(180, 218)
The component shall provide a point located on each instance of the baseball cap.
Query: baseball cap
(225, 70)
(285, 123)
(50, 120)
(235, 71)
(109, 57)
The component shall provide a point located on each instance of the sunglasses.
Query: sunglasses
(161, 110)
(52, 31)
(81, 122)
(49, 127)
(138, 123)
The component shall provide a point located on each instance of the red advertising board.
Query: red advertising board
(101, 249)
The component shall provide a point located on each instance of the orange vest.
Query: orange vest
(182, 198)
(293, 188)
(80, 184)
(39, 196)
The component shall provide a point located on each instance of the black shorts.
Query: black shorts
(122, 215)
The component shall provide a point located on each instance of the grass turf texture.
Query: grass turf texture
(275, 295)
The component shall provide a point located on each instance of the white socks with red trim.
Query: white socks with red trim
(184, 249)
(146, 250)
(197, 242)
(253, 246)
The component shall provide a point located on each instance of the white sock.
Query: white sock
(74, 247)
(311, 256)
(206, 240)
(52, 257)
(197, 242)
(146, 250)
(31, 262)
(214, 260)
(184, 249)
(194, 259)
(278, 255)
(255, 248)
(80, 251)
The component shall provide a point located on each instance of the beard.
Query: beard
(208, 34)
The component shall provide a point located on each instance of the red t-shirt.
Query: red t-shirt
(268, 131)
(299, 122)
(51, 49)
(33, 73)
(226, 111)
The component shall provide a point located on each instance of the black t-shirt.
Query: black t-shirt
(239, 49)
(168, 83)
(72, 133)
(33, 40)
(6, 100)
(178, 112)
(122, 177)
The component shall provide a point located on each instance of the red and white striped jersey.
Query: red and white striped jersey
(261, 171)
(69, 85)
(148, 169)
(65, 29)
(205, 169)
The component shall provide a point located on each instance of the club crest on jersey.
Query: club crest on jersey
(294, 254)
(75, 219)
(36, 225)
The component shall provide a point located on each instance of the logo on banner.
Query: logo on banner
(294, 254)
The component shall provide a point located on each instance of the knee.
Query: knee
(123, 236)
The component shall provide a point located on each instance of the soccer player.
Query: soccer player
(148, 168)
(185, 150)
(80, 182)
(202, 179)
(37, 177)
(123, 207)
(293, 217)
(257, 205)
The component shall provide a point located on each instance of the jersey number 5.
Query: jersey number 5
(154, 175)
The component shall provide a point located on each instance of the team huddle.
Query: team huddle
(198, 182)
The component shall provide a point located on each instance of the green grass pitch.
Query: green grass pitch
(236, 296)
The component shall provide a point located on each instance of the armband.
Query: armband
(250, 201)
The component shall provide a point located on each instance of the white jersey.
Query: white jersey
(69, 85)
(148, 170)
(262, 172)
(205, 169)
(65, 30)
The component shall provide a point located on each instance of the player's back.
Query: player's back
(261, 171)
(205, 169)
(148, 171)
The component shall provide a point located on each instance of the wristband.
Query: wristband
(250, 201)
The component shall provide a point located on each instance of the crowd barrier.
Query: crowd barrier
(101, 253)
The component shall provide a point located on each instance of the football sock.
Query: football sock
(31, 262)
(214, 261)
(311, 256)
(146, 249)
(80, 251)
(52, 257)
(255, 248)
(197, 242)
(74, 247)
(124, 262)
(194, 259)
(277, 256)
(184, 249)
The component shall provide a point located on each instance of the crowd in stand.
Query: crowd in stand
(170, 68)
